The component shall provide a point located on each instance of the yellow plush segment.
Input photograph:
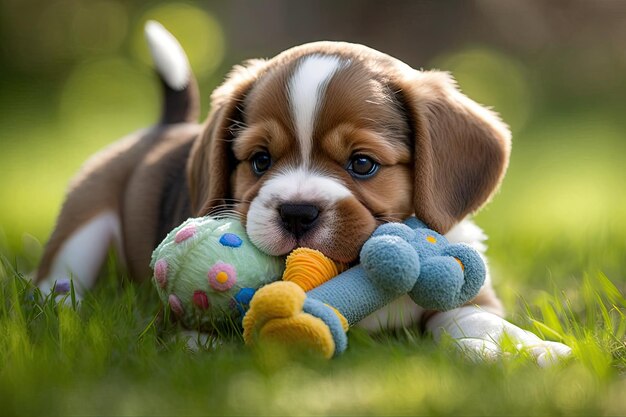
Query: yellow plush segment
(310, 268)
(279, 299)
(249, 323)
(431, 239)
(302, 330)
(342, 319)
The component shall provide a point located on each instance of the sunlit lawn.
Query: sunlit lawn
(557, 250)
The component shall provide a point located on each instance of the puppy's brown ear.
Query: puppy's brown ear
(461, 149)
(212, 161)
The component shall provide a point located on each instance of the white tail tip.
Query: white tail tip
(169, 57)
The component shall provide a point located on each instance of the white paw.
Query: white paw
(479, 350)
(547, 353)
(481, 336)
(544, 352)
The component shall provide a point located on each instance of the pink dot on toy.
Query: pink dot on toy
(185, 233)
(160, 272)
(176, 305)
(200, 299)
(222, 276)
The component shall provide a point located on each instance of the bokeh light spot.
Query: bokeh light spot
(563, 176)
(99, 25)
(42, 37)
(108, 94)
(492, 79)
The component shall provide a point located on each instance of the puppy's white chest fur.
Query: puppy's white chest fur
(403, 312)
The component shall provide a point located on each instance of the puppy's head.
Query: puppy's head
(325, 141)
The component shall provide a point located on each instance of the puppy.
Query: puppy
(315, 147)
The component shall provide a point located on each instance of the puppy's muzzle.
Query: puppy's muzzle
(299, 218)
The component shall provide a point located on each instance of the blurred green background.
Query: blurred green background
(76, 76)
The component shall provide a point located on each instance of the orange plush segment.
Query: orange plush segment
(309, 268)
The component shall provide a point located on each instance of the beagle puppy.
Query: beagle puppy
(314, 147)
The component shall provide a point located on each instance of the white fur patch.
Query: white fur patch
(306, 91)
(468, 232)
(293, 185)
(402, 312)
(169, 57)
(83, 253)
(304, 185)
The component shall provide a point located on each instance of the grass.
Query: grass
(114, 356)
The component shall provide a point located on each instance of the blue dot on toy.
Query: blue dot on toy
(243, 298)
(231, 240)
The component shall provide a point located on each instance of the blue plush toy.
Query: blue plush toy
(396, 260)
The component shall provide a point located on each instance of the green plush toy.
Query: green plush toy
(207, 271)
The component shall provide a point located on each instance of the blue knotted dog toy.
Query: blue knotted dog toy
(397, 259)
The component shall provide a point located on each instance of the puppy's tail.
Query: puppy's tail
(180, 90)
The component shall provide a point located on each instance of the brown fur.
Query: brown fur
(461, 150)
(211, 161)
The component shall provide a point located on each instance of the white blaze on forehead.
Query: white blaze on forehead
(302, 185)
(306, 91)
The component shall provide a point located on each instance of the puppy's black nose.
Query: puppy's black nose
(299, 218)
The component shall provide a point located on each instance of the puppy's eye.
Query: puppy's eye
(261, 162)
(362, 166)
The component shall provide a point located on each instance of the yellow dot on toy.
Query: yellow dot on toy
(431, 239)
(310, 268)
(221, 277)
(460, 263)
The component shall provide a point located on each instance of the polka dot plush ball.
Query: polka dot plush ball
(206, 270)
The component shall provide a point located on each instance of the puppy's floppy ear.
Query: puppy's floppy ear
(461, 148)
(212, 161)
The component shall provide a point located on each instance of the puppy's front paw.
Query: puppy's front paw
(478, 350)
(544, 352)
(484, 336)
(547, 353)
